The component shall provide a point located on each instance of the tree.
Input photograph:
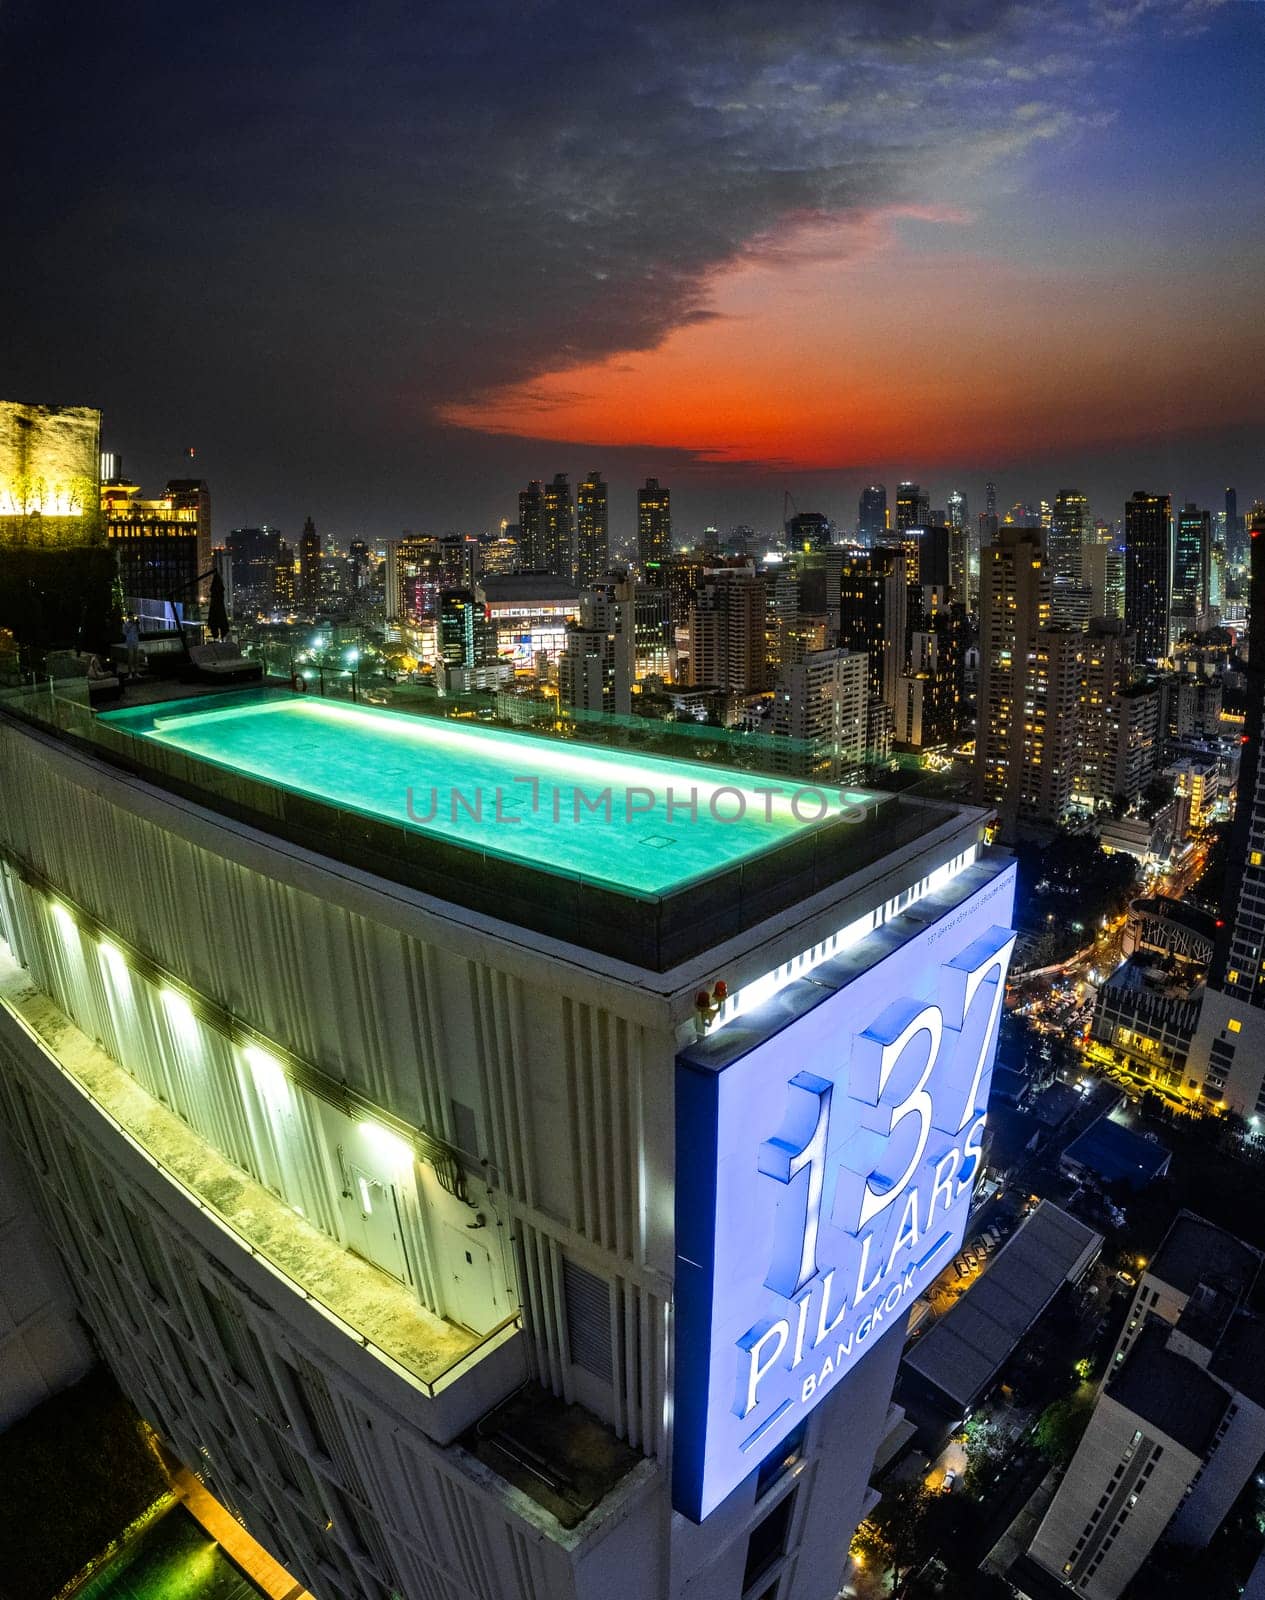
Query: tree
(903, 1526)
(1061, 1425)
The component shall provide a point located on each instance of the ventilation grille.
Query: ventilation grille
(588, 1302)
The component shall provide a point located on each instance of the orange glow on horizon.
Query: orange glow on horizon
(818, 361)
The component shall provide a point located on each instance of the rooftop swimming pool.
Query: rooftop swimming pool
(640, 825)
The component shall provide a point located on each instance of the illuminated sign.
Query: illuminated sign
(824, 1177)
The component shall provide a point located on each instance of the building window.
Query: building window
(1234, 1025)
(787, 1454)
(767, 1543)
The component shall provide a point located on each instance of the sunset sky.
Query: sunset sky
(382, 263)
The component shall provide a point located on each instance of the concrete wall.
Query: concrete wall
(43, 1346)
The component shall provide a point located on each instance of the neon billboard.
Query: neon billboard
(824, 1177)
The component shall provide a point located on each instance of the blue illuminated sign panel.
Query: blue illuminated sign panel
(824, 1177)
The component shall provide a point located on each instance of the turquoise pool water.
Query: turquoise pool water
(640, 824)
(173, 1560)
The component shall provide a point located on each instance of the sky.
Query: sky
(381, 263)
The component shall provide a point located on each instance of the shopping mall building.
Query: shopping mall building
(409, 1168)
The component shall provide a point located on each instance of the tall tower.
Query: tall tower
(727, 631)
(309, 587)
(592, 536)
(1069, 526)
(1192, 556)
(873, 609)
(1015, 598)
(654, 523)
(1147, 572)
(872, 515)
(559, 529)
(913, 507)
(1234, 540)
(531, 527)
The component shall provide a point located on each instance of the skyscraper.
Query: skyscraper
(913, 507)
(558, 551)
(873, 607)
(531, 527)
(308, 589)
(1147, 572)
(407, 1188)
(191, 497)
(592, 550)
(654, 523)
(1192, 558)
(1235, 542)
(1026, 706)
(872, 515)
(1069, 530)
(809, 530)
(959, 512)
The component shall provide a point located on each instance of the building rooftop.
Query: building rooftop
(521, 588)
(1239, 1358)
(1116, 1154)
(969, 1345)
(560, 1456)
(1194, 1251)
(646, 858)
(1169, 1390)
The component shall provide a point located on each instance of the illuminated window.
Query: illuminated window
(1256, 858)
(1234, 1025)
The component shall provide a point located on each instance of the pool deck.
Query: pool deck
(247, 1553)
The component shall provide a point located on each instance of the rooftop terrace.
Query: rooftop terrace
(646, 858)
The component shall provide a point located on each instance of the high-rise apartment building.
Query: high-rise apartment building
(1023, 681)
(557, 553)
(728, 649)
(458, 565)
(1177, 1426)
(1069, 533)
(408, 1188)
(598, 663)
(819, 717)
(929, 699)
(531, 527)
(308, 582)
(1102, 568)
(413, 580)
(1192, 562)
(592, 544)
(873, 611)
(1148, 572)
(465, 638)
(872, 515)
(654, 524)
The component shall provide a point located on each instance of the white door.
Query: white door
(472, 1295)
(376, 1232)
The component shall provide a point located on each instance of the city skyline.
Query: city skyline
(888, 248)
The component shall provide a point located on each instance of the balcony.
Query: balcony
(381, 1316)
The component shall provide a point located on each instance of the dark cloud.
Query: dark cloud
(296, 231)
